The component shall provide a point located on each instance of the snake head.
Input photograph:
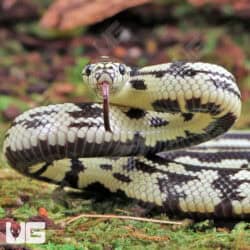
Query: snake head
(106, 78)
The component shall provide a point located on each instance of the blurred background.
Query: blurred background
(45, 44)
(43, 47)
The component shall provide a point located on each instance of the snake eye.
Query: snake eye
(122, 69)
(88, 70)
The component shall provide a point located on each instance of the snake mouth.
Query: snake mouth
(104, 87)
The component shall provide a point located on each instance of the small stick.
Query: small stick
(123, 217)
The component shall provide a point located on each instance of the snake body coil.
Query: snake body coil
(156, 111)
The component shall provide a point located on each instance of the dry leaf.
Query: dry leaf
(69, 14)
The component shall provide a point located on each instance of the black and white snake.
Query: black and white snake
(135, 144)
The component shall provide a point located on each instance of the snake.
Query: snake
(158, 134)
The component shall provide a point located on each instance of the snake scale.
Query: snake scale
(151, 142)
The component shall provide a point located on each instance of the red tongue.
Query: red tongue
(105, 95)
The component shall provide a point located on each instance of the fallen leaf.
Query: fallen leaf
(223, 230)
(66, 15)
(42, 212)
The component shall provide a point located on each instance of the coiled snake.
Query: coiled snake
(135, 144)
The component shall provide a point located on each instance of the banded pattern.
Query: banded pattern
(155, 110)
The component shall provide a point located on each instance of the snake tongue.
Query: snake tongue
(105, 95)
(105, 90)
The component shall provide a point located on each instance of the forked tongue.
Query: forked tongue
(105, 95)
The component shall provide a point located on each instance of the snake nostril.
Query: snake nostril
(97, 76)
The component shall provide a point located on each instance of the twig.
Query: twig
(123, 217)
